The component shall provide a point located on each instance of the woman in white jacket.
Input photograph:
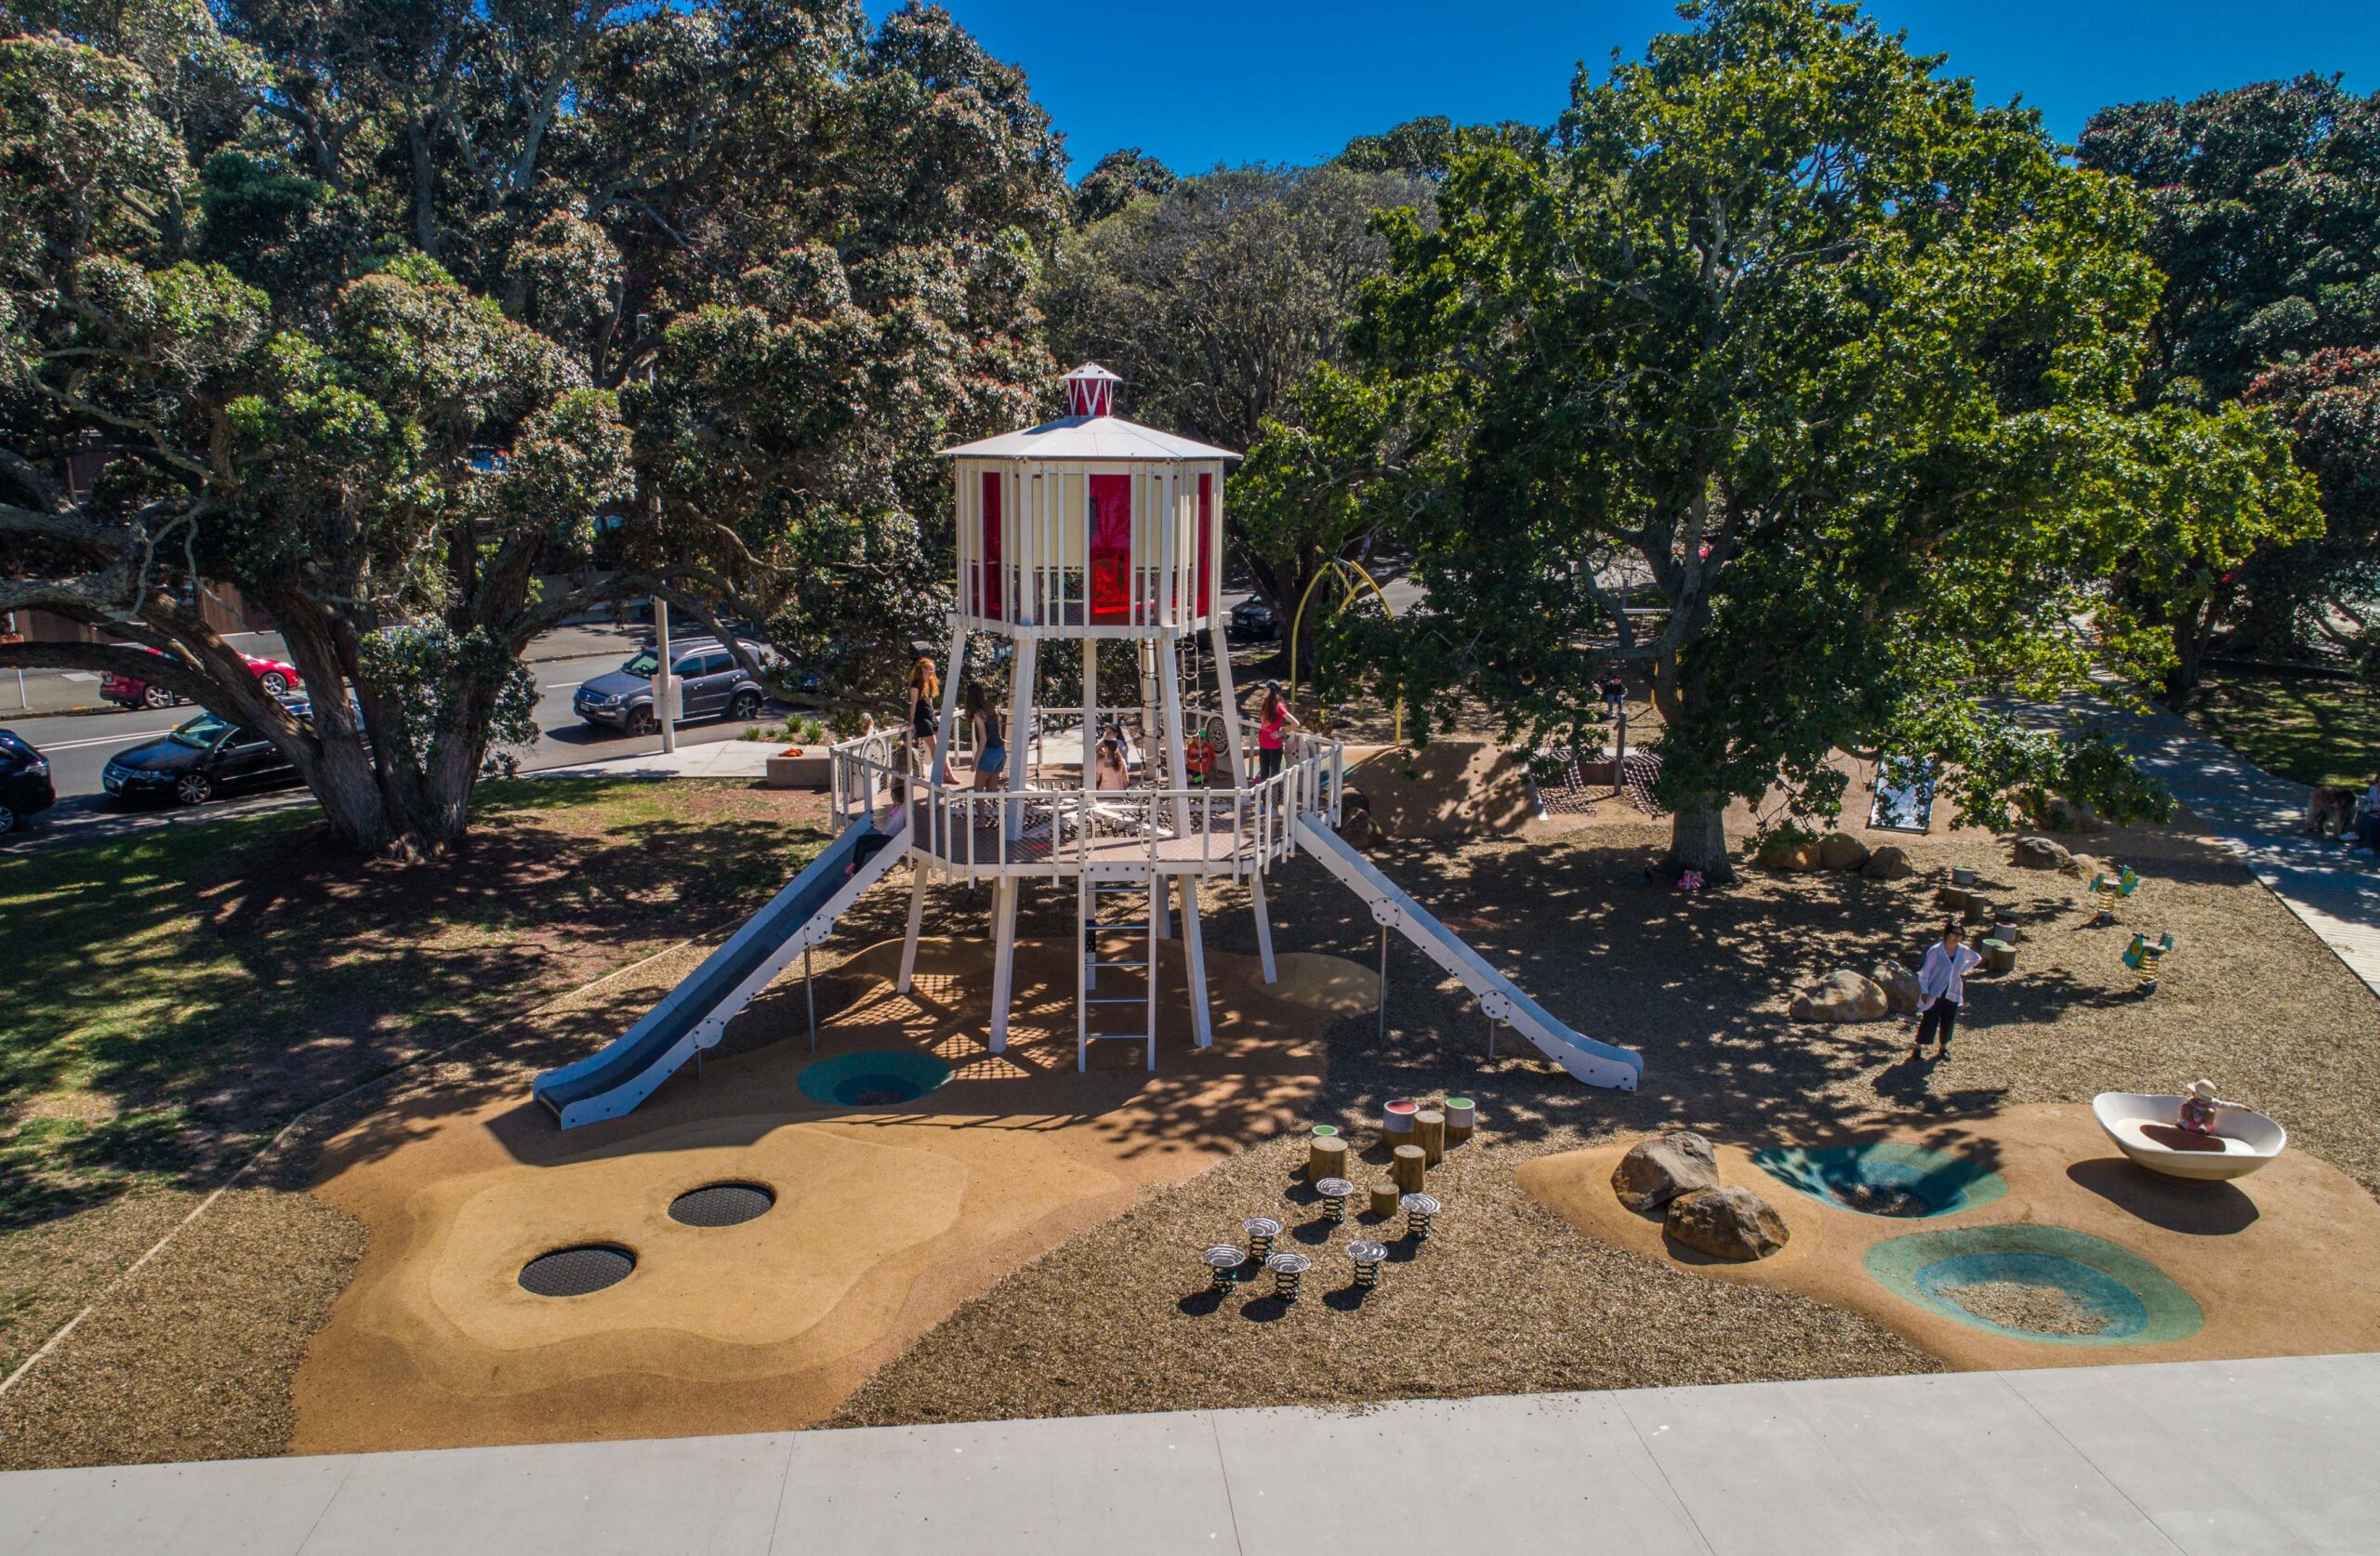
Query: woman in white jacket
(1941, 987)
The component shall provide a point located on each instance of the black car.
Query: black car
(205, 757)
(1253, 618)
(24, 782)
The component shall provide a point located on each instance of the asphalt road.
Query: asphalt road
(78, 748)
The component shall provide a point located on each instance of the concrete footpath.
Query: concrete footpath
(2262, 819)
(2229, 1459)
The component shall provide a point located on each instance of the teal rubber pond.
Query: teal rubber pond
(873, 1078)
(1884, 1179)
(2044, 1284)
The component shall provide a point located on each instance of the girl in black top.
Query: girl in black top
(925, 712)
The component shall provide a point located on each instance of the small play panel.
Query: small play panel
(2046, 1284)
(1885, 1178)
(873, 1078)
(579, 1272)
(722, 1205)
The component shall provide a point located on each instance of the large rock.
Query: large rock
(2038, 853)
(1889, 862)
(1840, 850)
(1657, 1170)
(1729, 1223)
(1841, 995)
(1781, 851)
(1900, 985)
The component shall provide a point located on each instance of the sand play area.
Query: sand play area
(2283, 1262)
(885, 1215)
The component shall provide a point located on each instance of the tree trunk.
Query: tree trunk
(1699, 841)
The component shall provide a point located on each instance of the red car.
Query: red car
(277, 675)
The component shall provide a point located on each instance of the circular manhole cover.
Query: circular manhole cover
(721, 1205)
(577, 1272)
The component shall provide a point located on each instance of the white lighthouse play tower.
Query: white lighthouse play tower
(1082, 530)
(1070, 533)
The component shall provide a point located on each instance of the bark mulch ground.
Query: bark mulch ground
(1505, 1296)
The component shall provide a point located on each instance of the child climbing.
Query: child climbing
(1111, 774)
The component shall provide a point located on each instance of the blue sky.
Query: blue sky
(1199, 82)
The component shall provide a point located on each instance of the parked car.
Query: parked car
(278, 677)
(24, 781)
(1253, 618)
(711, 683)
(207, 757)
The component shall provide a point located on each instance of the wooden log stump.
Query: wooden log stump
(1429, 1134)
(1407, 1169)
(1326, 1157)
(1384, 1198)
(1462, 1116)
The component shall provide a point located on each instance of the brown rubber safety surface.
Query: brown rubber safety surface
(2284, 1262)
(885, 1219)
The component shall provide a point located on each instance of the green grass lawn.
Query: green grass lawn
(169, 999)
(2310, 728)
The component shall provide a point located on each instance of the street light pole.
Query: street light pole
(665, 685)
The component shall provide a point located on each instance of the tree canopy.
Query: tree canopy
(1788, 335)
(1224, 304)
(404, 320)
(2264, 205)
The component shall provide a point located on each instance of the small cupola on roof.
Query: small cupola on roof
(1090, 430)
(1090, 390)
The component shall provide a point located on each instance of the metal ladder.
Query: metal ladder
(1089, 892)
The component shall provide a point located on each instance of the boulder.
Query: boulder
(1889, 862)
(1840, 850)
(1900, 985)
(1729, 1223)
(2038, 853)
(1841, 995)
(1657, 1170)
(1781, 851)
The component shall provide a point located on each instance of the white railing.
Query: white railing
(1062, 830)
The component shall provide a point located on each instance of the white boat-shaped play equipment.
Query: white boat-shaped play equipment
(2147, 1129)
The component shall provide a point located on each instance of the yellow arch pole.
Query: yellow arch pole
(1339, 568)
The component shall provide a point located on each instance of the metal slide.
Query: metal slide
(694, 1015)
(1595, 1063)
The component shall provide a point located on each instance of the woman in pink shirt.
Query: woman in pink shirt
(1274, 721)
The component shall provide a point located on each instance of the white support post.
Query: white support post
(1202, 1019)
(917, 921)
(1003, 957)
(1264, 925)
(1177, 762)
(947, 721)
(1020, 717)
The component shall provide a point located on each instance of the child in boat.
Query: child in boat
(2198, 1107)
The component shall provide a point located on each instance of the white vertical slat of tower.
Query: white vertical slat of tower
(1220, 640)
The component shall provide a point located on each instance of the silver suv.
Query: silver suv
(712, 684)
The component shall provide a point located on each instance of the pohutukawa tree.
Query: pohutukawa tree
(2264, 206)
(403, 321)
(1790, 336)
(1223, 302)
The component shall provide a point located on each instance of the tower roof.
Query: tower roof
(1091, 433)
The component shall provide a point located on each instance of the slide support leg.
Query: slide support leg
(1003, 957)
(1263, 927)
(1384, 983)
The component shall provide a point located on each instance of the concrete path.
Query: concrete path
(2229, 1459)
(2262, 819)
(732, 758)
